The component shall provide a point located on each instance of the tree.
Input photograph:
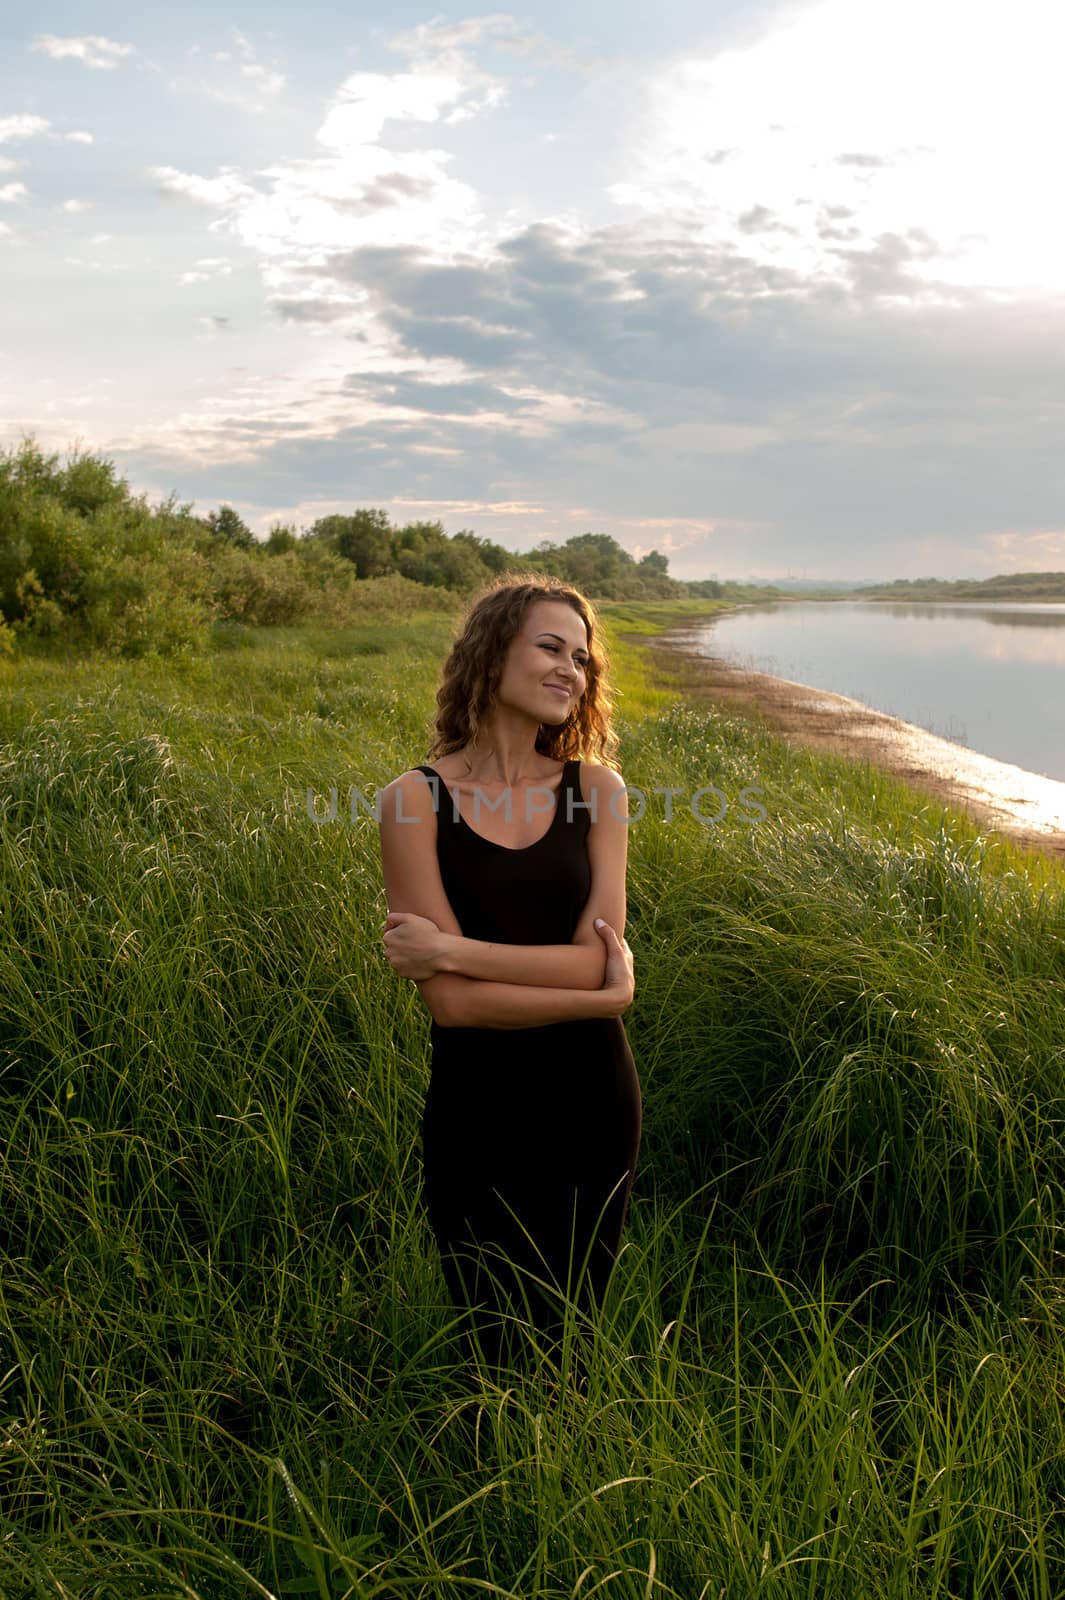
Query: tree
(279, 539)
(653, 565)
(425, 554)
(365, 538)
(228, 528)
(87, 483)
(492, 556)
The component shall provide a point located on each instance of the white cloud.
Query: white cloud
(503, 508)
(935, 119)
(367, 100)
(74, 206)
(12, 192)
(266, 79)
(225, 190)
(22, 127)
(356, 192)
(7, 165)
(91, 50)
(446, 41)
(80, 137)
(206, 270)
(444, 84)
(235, 77)
(365, 187)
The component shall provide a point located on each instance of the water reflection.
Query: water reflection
(987, 676)
(1046, 620)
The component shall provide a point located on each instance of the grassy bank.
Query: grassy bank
(831, 1364)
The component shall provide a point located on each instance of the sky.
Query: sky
(775, 287)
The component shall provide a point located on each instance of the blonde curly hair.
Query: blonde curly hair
(474, 668)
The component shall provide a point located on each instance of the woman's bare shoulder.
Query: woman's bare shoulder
(406, 790)
(413, 775)
(597, 774)
(596, 780)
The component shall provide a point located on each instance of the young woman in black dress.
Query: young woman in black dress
(504, 867)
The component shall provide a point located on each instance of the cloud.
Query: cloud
(759, 219)
(769, 353)
(455, 399)
(858, 159)
(265, 79)
(356, 191)
(222, 191)
(233, 76)
(75, 206)
(790, 411)
(22, 127)
(206, 269)
(462, 339)
(450, 41)
(91, 50)
(79, 137)
(312, 308)
(367, 100)
(504, 508)
(12, 192)
(883, 112)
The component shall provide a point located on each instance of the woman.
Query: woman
(504, 868)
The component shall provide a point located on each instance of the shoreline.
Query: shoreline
(1025, 807)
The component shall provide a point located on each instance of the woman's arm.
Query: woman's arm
(413, 884)
(579, 965)
(470, 1003)
(557, 966)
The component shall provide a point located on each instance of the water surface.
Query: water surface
(988, 676)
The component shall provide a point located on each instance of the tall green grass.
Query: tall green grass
(831, 1361)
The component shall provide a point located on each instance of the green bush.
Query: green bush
(84, 564)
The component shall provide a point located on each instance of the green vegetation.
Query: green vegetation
(1007, 586)
(832, 1361)
(86, 565)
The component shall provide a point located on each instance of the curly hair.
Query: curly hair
(474, 668)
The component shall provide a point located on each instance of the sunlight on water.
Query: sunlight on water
(970, 693)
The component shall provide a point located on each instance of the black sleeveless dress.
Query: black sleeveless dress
(529, 1135)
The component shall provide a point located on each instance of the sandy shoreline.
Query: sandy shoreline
(1027, 808)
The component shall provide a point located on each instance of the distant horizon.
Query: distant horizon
(897, 577)
(749, 579)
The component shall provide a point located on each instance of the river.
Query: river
(989, 676)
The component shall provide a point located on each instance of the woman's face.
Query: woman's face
(550, 648)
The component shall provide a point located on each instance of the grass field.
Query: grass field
(832, 1360)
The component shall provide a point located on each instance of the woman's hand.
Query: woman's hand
(619, 980)
(414, 945)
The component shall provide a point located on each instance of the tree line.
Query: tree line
(85, 561)
(1005, 586)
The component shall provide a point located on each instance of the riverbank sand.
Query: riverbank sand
(1026, 807)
